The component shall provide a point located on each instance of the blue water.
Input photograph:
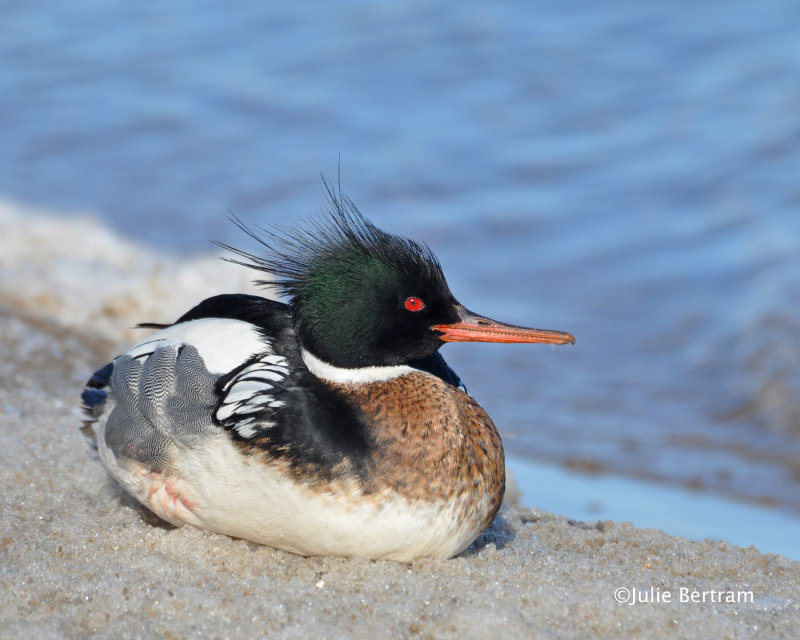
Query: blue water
(691, 514)
(626, 171)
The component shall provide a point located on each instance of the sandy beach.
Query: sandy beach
(80, 559)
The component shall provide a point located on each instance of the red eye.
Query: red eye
(414, 304)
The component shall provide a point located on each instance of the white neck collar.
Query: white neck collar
(361, 375)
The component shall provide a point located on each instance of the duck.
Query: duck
(325, 425)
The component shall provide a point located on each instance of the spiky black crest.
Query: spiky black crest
(343, 233)
(347, 282)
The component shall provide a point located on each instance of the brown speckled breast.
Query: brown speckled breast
(432, 443)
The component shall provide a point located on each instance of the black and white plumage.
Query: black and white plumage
(214, 369)
(330, 425)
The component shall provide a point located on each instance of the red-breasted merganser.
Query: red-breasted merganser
(330, 425)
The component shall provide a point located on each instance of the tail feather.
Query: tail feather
(93, 398)
(96, 391)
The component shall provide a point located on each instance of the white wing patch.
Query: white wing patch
(252, 391)
(223, 344)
